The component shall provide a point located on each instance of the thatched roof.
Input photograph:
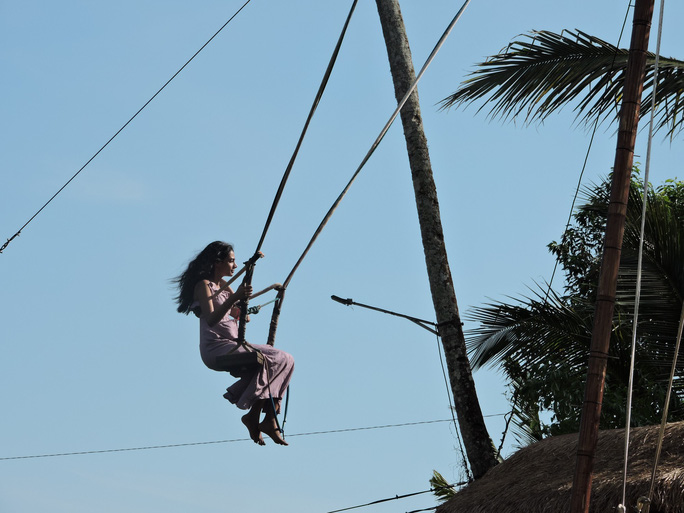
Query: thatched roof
(538, 478)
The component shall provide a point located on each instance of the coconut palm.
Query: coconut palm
(479, 448)
(541, 342)
(541, 73)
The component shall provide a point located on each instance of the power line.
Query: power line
(169, 446)
(397, 497)
(122, 128)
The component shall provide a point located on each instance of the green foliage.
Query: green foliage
(541, 343)
(579, 251)
(543, 72)
(441, 488)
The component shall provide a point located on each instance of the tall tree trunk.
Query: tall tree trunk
(478, 445)
(610, 263)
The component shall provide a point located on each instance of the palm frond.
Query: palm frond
(536, 76)
(441, 488)
(529, 330)
(540, 342)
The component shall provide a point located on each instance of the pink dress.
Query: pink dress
(270, 381)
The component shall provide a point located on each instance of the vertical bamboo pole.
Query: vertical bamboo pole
(615, 226)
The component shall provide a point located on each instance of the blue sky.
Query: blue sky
(95, 357)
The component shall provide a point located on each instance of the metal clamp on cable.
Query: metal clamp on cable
(347, 301)
(455, 322)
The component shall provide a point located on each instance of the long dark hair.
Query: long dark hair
(201, 268)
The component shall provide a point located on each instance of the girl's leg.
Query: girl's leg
(269, 424)
(251, 421)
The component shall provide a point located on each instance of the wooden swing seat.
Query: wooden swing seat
(240, 365)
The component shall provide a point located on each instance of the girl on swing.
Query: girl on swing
(199, 291)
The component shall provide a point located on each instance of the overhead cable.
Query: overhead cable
(122, 128)
(169, 446)
(397, 497)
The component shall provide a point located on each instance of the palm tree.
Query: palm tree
(536, 76)
(546, 334)
(541, 341)
(478, 445)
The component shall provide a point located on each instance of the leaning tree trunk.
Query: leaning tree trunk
(478, 445)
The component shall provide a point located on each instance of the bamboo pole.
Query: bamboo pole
(615, 226)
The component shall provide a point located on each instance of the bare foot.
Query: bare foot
(272, 431)
(253, 429)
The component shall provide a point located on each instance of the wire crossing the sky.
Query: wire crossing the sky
(397, 497)
(122, 128)
(189, 444)
(169, 446)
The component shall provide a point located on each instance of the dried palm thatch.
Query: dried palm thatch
(538, 478)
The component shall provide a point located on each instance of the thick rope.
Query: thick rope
(376, 143)
(640, 259)
(275, 316)
(288, 169)
(317, 100)
(244, 304)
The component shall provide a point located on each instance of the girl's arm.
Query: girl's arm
(211, 312)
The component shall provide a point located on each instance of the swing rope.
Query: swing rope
(317, 100)
(250, 264)
(637, 294)
(376, 143)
